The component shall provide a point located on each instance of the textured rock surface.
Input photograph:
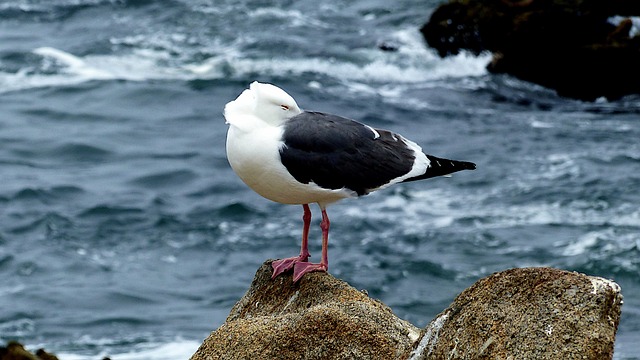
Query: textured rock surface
(320, 317)
(566, 45)
(15, 351)
(531, 313)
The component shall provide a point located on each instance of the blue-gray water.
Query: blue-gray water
(124, 232)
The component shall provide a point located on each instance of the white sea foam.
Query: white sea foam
(379, 70)
(559, 165)
(607, 241)
(425, 210)
(583, 244)
(295, 18)
(537, 123)
(138, 66)
(174, 350)
(153, 58)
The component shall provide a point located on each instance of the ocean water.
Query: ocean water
(124, 233)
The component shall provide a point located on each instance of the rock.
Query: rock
(45, 355)
(566, 45)
(388, 46)
(15, 351)
(320, 317)
(531, 313)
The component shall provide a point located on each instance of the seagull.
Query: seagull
(298, 157)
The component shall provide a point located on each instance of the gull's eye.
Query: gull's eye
(284, 107)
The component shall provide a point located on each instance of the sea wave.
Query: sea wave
(178, 349)
(425, 210)
(413, 63)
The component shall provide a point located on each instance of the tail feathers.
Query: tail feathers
(443, 167)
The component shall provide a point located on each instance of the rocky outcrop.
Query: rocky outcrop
(567, 45)
(532, 313)
(15, 351)
(320, 317)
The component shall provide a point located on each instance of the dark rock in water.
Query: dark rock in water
(41, 354)
(320, 317)
(15, 351)
(534, 313)
(388, 46)
(566, 45)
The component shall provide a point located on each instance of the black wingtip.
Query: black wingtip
(467, 165)
(447, 166)
(441, 167)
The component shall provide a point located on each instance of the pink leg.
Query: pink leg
(280, 266)
(302, 268)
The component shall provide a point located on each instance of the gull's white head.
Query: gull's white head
(264, 102)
